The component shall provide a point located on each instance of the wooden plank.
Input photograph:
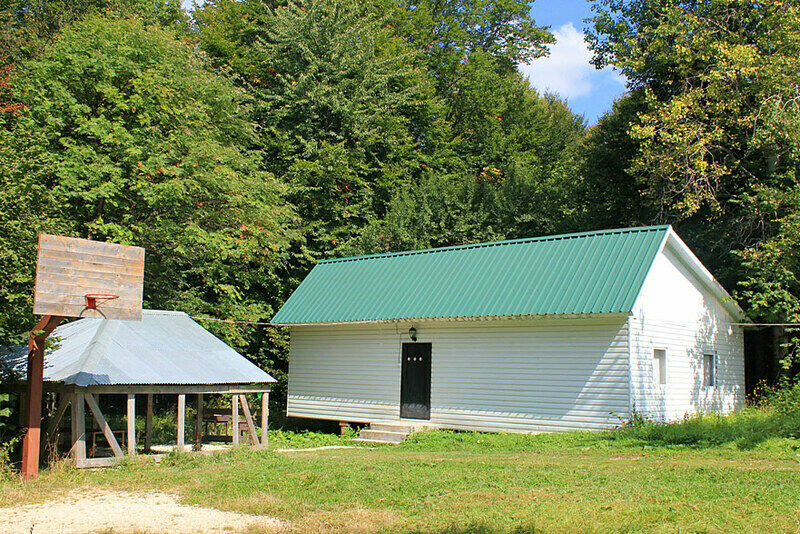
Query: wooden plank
(128, 314)
(78, 245)
(181, 422)
(198, 424)
(89, 263)
(235, 418)
(103, 424)
(78, 428)
(148, 424)
(63, 294)
(248, 417)
(131, 420)
(108, 461)
(57, 281)
(265, 419)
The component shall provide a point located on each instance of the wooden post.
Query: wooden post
(235, 419)
(103, 424)
(131, 424)
(148, 424)
(181, 422)
(77, 416)
(31, 443)
(198, 424)
(248, 417)
(264, 419)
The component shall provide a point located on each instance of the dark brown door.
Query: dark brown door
(415, 381)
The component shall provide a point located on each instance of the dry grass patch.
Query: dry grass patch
(351, 519)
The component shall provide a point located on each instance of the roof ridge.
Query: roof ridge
(552, 237)
(97, 346)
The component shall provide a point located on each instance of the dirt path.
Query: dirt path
(121, 512)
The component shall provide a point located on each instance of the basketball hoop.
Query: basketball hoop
(65, 267)
(93, 299)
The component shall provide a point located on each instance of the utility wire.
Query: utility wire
(231, 321)
(766, 324)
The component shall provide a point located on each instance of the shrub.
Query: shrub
(784, 399)
(6, 473)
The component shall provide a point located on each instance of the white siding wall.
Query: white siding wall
(343, 373)
(677, 313)
(533, 376)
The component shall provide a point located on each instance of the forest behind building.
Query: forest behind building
(244, 141)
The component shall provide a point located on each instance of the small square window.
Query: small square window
(709, 369)
(660, 366)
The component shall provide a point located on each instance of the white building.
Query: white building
(554, 333)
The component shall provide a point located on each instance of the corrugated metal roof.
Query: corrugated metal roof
(165, 347)
(582, 273)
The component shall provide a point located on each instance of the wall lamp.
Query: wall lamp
(412, 333)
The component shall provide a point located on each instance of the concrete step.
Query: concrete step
(392, 427)
(382, 435)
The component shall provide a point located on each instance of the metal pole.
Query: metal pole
(33, 432)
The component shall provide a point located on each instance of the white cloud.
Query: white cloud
(566, 70)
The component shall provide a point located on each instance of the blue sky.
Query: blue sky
(566, 71)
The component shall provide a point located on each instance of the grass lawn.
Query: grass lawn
(469, 482)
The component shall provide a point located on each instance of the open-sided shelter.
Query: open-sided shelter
(165, 353)
(553, 333)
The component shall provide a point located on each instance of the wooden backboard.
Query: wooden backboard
(68, 269)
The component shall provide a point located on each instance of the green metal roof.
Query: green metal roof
(588, 272)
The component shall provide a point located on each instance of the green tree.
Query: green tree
(717, 136)
(610, 194)
(522, 178)
(346, 116)
(28, 26)
(448, 33)
(125, 136)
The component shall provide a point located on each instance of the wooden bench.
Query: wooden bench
(213, 418)
(119, 434)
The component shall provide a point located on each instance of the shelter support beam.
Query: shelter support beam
(78, 417)
(103, 424)
(181, 442)
(198, 424)
(148, 424)
(131, 420)
(235, 419)
(264, 419)
(251, 427)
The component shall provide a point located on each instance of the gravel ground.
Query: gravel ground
(121, 512)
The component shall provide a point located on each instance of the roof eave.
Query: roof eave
(464, 319)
